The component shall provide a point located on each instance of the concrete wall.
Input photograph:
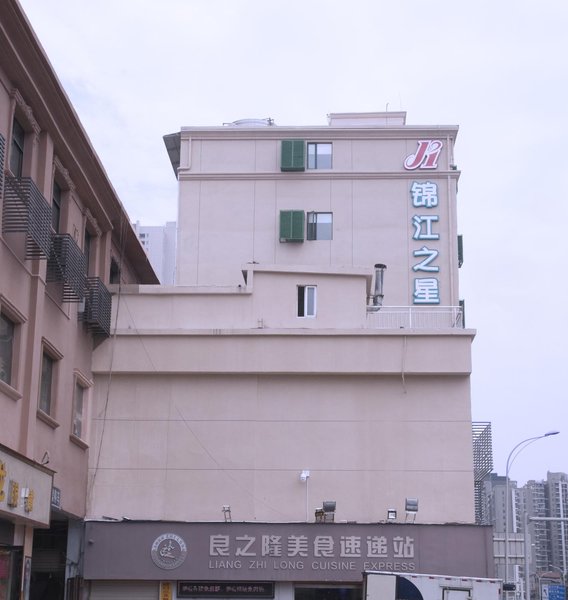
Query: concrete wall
(203, 407)
(232, 191)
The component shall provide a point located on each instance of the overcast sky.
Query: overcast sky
(138, 69)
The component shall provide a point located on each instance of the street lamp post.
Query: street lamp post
(562, 572)
(510, 460)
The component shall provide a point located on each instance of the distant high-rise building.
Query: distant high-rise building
(557, 494)
(538, 508)
(159, 241)
(533, 496)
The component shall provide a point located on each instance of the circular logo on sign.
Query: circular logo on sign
(168, 551)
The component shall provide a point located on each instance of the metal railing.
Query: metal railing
(416, 317)
(26, 210)
(96, 312)
(67, 265)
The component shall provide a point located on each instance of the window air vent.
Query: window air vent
(67, 265)
(27, 211)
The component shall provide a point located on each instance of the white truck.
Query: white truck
(383, 585)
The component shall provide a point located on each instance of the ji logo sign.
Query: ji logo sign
(425, 157)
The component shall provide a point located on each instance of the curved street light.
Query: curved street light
(510, 460)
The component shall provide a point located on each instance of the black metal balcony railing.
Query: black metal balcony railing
(98, 304)
(67, 265)
(2, 154)
(27, 211)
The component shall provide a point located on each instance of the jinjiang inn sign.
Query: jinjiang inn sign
(424, 198)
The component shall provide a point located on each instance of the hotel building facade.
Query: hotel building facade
(297, 408)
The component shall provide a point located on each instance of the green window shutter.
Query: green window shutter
(293, 158)
(292, 225)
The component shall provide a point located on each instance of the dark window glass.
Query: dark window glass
(87, 250)
(306, 300)
(46, 383)
(114, 271)
(328, 593)
(319, 155)
(56, 207)
(320, 226)
(7, 328)
(17, 149)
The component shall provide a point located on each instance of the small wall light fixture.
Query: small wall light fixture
(304, 476)
(227, 513)
(391, 514)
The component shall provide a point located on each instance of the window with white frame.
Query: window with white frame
(48, 383)
(80, 395)
(320, 226)
(307, 300)
(319, 155)
(78, 401)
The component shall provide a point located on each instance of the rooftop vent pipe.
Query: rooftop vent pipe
(378, 294)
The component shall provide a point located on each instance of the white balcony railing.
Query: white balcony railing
(416, 317)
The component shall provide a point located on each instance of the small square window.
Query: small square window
(7, 340)
(320, 226)
(319, 155)
(307, 300)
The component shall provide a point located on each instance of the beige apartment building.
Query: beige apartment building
(297, 408)
(64, 238)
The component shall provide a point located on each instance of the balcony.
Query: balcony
(67, 265)
(27, 211)
(97, 308)
(2, 154)
(416, 317)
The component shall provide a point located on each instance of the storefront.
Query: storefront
(287, 561)
(25, 499)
